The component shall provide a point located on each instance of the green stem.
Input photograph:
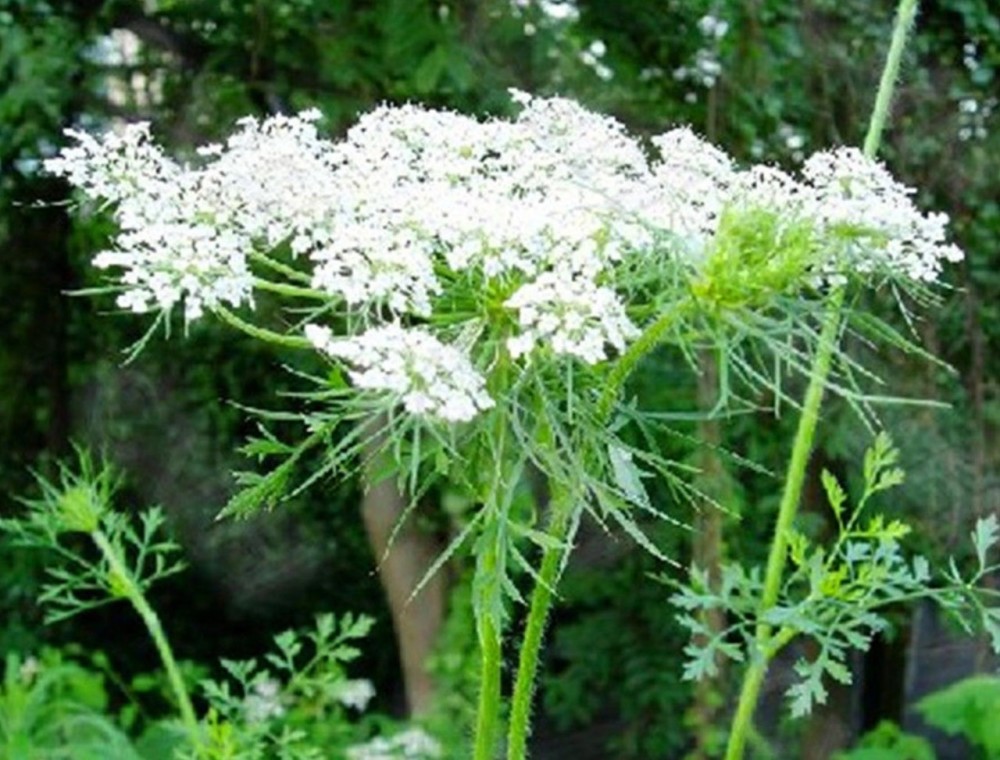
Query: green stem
(636, 352)
(488, 716)
(801, 450)
(561, 527)
(293, 291)
(290, 272)
(131, 590)
(541, 602)
(766, 644)
(906, 12)
(489, 564)
(268, 336)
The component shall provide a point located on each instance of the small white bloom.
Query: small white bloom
(429, 378)
(854, 193)
(263, 702)
(571, 315)
(411, 744)
(355, 694)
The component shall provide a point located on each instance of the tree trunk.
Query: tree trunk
(401, 567)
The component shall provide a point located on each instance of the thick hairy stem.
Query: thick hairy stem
(489, 563)
(802, 448)
(765, 648)
(562, 527)
(149, 617)
(488, 717)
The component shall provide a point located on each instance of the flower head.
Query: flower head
(572, 315)
(430, 378)
(857, 200)
(355, 693)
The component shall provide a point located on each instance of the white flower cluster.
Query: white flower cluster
(355, 693)
(428, 377)
(185, 232)
(264, 702)
(855, 195)
(572, 314)
(542, 208)
(412, 744)
(866, 219)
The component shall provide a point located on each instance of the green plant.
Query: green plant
(887, 741)
(121, 562)
(293, 702)
(53, 708)
(968, 708)
(287, 706)
(837, 595)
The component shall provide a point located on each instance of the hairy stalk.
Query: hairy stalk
(294, 291)
(290, 272)
(128, 588)
(562, 526)
(488, 715)
(490, 635)
(906, 12)
(753, 678)
(766, 644)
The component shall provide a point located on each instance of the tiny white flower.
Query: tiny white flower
(355, 694)
(429, 378)
(570, 314)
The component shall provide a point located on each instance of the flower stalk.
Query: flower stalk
(562, 527)
(767, 645)
(125, 585)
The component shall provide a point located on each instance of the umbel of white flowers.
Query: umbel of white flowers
(545, 209)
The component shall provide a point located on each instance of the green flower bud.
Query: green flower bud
(80, 509)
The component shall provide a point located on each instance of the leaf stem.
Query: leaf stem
(290, 272)
(294, 291)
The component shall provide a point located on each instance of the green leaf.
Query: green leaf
(835, 494)
(431, 69)
(808, 692)
(628, 477)
(798, 547)
(984, 537)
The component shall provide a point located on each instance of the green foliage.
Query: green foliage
(837, 595)
(291, 703)
(52, 707)
(968, 708)
(887, 741)
(757, 257)
(89, 577)
(788, 69)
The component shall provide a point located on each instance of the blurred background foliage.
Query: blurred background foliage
(768, 79)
